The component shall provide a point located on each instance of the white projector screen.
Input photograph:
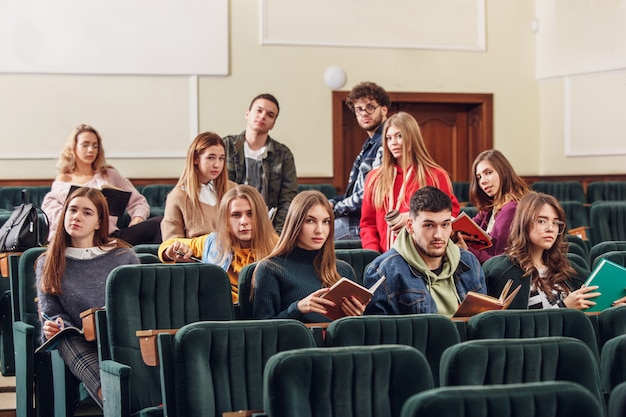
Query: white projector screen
(147, 37)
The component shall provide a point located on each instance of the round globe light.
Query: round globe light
(335, 77)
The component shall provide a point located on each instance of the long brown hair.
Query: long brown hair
(54, 266)
(555, 258)
(512, 187)
(263, 235)
(325, 263)
(67, 160)
(414, 153)
(189, 178)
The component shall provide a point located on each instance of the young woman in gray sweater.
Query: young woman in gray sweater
(71, 278)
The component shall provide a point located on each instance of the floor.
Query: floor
(7, 396)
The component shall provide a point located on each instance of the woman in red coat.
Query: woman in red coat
(407, 166)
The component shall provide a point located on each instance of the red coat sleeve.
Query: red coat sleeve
(370, 238)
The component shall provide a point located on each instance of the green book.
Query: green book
(611, 281)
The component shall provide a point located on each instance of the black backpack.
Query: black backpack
(23, 230)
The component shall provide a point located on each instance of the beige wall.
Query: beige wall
(159, 111)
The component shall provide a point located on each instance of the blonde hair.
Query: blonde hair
(324, 263)
(414, 153)
(67, 160)
(263, 235)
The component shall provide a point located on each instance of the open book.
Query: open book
(611, 281)
(473, 234)
(475, 303)
(346, 288)
(53, 342)
(117, 199)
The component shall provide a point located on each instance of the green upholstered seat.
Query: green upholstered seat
(617, 256)
(152, 248)
(561, 190)
(574, 247)
(470, 210)
(601, 248)
(244, 309)
(575, 258)
(534, 323)
(348, 244)
(209, 368)
(546, 399)
(363, 381)
(431, 334)
(611, 323)
(606, 191)
(608, 221)
(584, 244)
(327, 189)
(12, 196)
(461, 191)
(617, 401)
(509, 361)
(33, 372)
(576, 214)
(148, 258)
(613, 363)
(144, 297)
(156, 194)
(358, 259)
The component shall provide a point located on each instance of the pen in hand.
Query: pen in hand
(193, 258)
(58, 320)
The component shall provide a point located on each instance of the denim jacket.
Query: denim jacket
(210, 254)
(370, 157)
(405, 290)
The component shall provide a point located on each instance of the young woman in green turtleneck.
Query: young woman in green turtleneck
(290, 282)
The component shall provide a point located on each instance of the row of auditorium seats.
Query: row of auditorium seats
(156, 194)
(158, 296)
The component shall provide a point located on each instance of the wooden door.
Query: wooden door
(455, 127)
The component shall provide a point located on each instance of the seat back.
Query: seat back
(611, 323)
(575, 258)
(576, 214)
(363, 381)
(218, 366)
(10, 196)
(327, 189)
(27, 291)
(613, 363)
(245, 289)
(606, 191)
(358, 259)
(513, 324)
(156, 194)
(507, 361)
(152, 248)
(561, 190)
(617, 256)
(348, 244)
(608, 221)
(148, 258)
(617, 401)
(552, 398)
(159, 296)
(601, 248)
(584, 244)
(431, 334)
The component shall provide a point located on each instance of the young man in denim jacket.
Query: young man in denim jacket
(425, 271)
(370, 104)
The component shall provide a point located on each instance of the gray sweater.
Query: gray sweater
(83, 284)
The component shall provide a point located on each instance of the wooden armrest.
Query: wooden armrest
(581, 232)
(4, 263)
(148, 344)
(241, 413)
(321, 325)
(89, 323)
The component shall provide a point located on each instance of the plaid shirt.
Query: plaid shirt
(370, 157)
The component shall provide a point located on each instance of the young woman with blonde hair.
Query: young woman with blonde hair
(290, 281)
(72, 275)
(244, 235)
(536, 259)
(191, 207)
(495, 189)
(82, 162)
(407, 166)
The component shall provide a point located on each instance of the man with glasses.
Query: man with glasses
(254, 158)
(370, 104)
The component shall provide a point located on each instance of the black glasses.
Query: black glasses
(368, 109)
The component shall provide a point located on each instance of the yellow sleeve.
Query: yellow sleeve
(196, 244)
